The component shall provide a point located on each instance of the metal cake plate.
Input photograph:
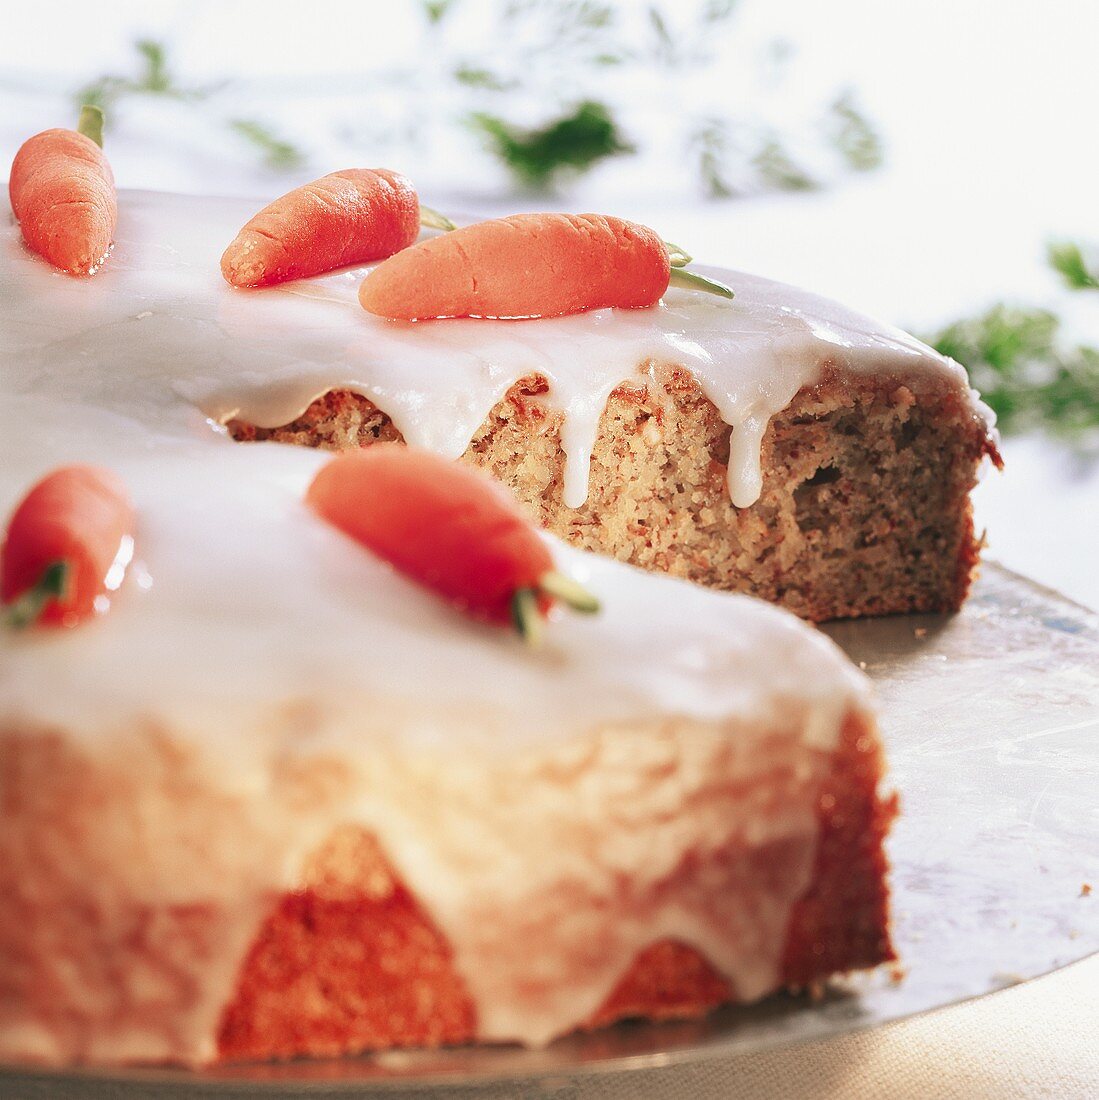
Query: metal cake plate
(991, 722)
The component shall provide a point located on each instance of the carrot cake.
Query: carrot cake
(281, 801)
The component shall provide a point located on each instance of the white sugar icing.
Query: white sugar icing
(252, 634)
(265, 355)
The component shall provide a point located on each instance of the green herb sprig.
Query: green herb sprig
(854, 136)
(734, 153)
(1017, 361)
(1027, 373)
(277, 153)
(573, 142)
(155, 78)
(1067, 259)
(567, 53)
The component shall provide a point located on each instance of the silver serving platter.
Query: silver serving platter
(991, 720)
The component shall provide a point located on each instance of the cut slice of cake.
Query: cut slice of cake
(777, 444)
(863, 507)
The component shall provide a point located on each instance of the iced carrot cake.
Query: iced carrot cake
(273, 783)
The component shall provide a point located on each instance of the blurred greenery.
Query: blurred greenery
(277, 153)
(734, 154)
(778, 169)
(1024, 369)
(854, 137)
(1067, 258)
(559, 56)
(710, 144)
(575, 142)
(154, 78)
(435, 10)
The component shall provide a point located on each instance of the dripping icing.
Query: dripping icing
(264, 356)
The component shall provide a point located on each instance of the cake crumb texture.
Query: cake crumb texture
(866, 479)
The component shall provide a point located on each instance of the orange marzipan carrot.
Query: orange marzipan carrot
(66, 545)
(526, 265)
(63, 196)
(349, 217)
(449, 528)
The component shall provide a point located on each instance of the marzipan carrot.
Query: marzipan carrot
(350, 217)
(63, 196)
(449, 528)
(66, 548)
(530, 265)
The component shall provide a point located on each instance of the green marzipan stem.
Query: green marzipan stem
(91, 123)
(25, 609)
(432, 219)
(691, 280)
(569, 592)
(527, 616)
(679, 257)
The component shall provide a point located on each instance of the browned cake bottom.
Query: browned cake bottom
(865, 504)
(352, 962)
